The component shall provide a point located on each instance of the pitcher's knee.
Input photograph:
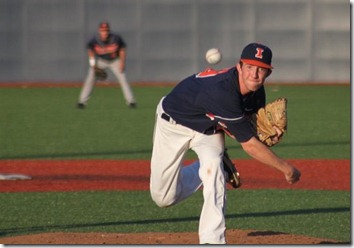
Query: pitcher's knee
(163, 201)
(214, 162)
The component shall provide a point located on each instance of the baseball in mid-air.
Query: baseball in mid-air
(213, 56)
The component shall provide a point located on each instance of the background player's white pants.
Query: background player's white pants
(171, 182)
(121, 77)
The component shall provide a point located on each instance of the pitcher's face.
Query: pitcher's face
(251, 77)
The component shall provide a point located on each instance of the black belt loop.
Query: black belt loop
(168, 118)
(165, 117)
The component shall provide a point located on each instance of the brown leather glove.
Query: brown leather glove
(263, 122)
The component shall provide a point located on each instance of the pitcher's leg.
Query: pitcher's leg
(87, 87)
(212, 225)
(170, 181)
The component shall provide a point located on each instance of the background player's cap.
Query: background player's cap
(257, 54)
(104, 26)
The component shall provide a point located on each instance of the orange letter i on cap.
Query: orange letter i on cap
(259, 53)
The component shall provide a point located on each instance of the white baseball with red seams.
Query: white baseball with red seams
(213, 56)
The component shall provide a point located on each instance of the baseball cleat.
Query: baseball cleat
(132, 105)
(80, 105)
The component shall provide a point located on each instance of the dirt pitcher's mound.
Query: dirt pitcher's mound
(233, 237)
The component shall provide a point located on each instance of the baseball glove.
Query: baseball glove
(233, 177)
(273, 114)
(100, 74)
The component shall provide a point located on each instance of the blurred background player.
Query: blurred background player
(106, 50)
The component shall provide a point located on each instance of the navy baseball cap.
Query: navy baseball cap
(104, 26)
(258, 55)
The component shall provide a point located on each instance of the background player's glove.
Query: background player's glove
(273, 114)
(100, 74)
(233, 177)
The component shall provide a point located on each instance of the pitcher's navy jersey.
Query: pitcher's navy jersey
(211, 100)
(108, 49)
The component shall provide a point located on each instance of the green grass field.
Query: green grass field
(44, 123)
(301, 212)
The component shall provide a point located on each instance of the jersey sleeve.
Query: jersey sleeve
(241, 131)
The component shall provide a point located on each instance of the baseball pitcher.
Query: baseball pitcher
(196, 115)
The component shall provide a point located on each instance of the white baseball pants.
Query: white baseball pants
(171, 182)
(121, 77)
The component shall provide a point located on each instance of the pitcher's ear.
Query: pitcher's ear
(239, 66)
(269, 72)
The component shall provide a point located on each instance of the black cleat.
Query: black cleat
(80, 106)
(132, 105)
(232, 177)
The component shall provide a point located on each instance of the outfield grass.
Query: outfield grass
(44, 123)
